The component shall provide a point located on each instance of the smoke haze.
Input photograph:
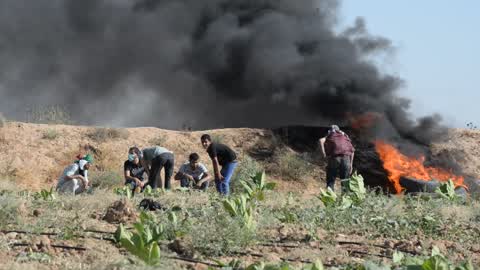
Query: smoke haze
(205, 64)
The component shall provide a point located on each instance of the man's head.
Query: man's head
(206, 140)
(84, 165)
(135, 151)
(193, 159)
(334, 129)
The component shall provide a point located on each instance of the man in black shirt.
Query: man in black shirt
(134, 171)
(224, 156)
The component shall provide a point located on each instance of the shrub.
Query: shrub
(159, 140)
(291, 167)
(106, 179)
(247, 168)
(104, 134)
(9, 210)
(50, 134)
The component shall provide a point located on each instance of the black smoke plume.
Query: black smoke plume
(206, 64)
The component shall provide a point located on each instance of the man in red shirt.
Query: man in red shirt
(339, 151)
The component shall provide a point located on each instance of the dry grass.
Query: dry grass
(50, 134)
(106, 134)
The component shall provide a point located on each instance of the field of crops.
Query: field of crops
(255, 228)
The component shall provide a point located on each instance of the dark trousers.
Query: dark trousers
(184, 182)
(338, 166)
(166, 161)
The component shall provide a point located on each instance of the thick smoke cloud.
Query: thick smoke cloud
(209, 63)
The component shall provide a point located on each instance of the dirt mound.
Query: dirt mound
(120, 212)
(34, 155)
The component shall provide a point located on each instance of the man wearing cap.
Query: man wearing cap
(339, 151)
(74, 179)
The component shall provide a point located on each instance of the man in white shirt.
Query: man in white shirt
(193, 173)
(74, 179)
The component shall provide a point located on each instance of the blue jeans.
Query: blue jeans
(223, 187)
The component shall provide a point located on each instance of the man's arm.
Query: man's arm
(129, 177)
(146, 166)
(216, 170)
(351, 162)
(205, 178)
(322, 146)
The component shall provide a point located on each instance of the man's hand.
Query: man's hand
(139, 183)
(220, 177)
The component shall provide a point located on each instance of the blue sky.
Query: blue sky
(437, 52)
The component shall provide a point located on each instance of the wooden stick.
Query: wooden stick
(55, 246)
(193, 261)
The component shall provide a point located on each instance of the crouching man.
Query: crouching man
(193, 173)
(74, 179)
(134, 171)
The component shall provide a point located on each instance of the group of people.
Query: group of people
(143, 166)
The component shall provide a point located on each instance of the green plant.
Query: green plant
(256, 187)
(143, 241)
(356, 188)
(124, 191)
(329, 197)
(241, 207)
(246, 169)
(50, 134)
(105, 134)
(447, 191)
(46, 195)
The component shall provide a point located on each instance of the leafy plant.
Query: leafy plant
(46, 195)
(356, 188)
(447, 191)
(124, 191)
(329, 197)
(240, 207)
(255, 189)
(143, 241)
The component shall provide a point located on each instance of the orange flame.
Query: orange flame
(398, 165)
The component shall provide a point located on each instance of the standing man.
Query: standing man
(221, 155)
(193, 173)
(153, 160)
(339, 151)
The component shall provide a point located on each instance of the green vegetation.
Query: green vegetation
(46, 195)
(292, 167)
(256, 224)
(50, 134)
